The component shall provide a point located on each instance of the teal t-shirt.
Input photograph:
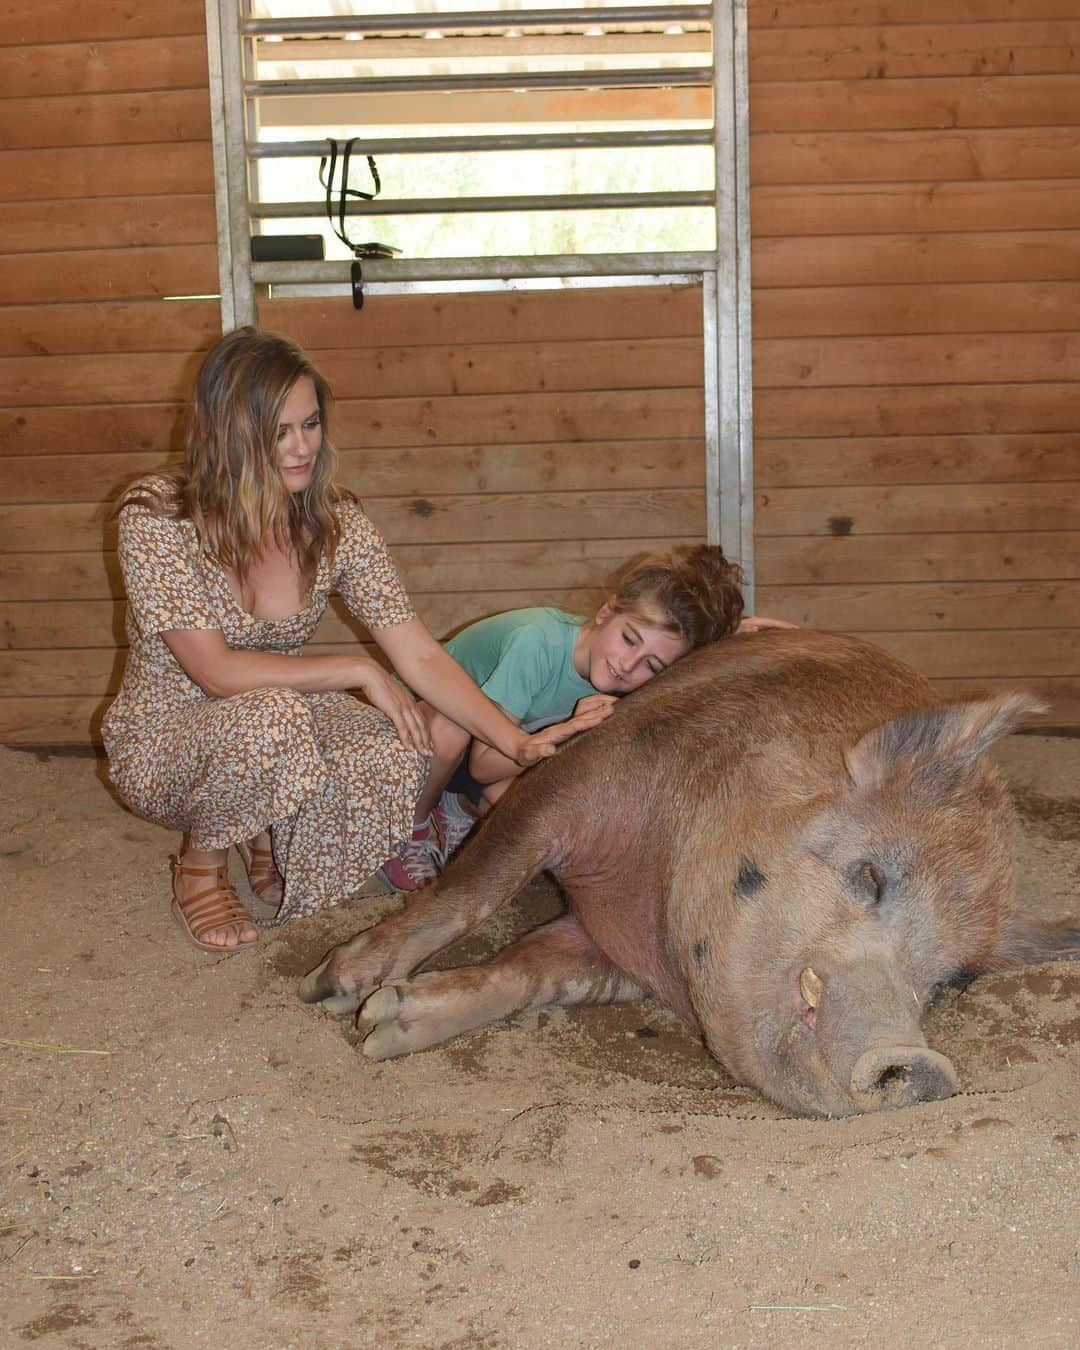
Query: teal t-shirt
(524, 661)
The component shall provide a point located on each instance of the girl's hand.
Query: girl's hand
(382, 691)
(588, 712)
(754, 623)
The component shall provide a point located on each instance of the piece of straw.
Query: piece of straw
(55, 1049)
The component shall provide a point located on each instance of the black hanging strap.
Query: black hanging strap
(368, 250)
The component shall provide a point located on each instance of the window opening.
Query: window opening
(515, 146)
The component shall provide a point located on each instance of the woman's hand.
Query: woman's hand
(754, 623)
(588, 712)
(382, 691)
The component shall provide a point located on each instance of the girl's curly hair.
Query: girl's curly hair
(692, 590)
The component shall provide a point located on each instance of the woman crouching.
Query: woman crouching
(224, 728)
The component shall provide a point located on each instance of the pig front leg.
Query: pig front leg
(556, 964)
(491, 870)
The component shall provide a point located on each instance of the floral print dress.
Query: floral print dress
(325, 772)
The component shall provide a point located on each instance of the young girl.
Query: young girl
(224, 728)
(547, 668)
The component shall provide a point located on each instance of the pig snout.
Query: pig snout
(864, 1016)
(900, 1075)
(846, 1038)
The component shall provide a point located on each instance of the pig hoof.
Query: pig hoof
(334, 994)
(342, 1005)
(380, 1024)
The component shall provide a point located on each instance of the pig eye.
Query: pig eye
(869, 883)
(953, 979)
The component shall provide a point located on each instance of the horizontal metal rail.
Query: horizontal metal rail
(328, 26)
(538, 79)
(541, 140)
(434, 206)
(317, 290)
(494, 269)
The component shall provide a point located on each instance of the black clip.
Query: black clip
(356, 276)
(375, 250)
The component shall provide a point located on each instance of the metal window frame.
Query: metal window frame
(723, 274)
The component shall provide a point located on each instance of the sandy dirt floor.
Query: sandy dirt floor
(219, 1166)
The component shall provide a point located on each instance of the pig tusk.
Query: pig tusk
(811, 987)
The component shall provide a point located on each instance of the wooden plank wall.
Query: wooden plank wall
(106, 206)
(916, 265)
(916, 279)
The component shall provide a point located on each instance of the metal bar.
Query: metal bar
(511, 80)
(741, 130)
(327, 26)
(730, 505)
(433, 206)
(221, 179)
(713, 446)
(236, 138)
(476, 269)
(310, 290)
(252, 111)
(541, 140)
(230, 165)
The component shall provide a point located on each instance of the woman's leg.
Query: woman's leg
(253, 752)
(419, 859)
(450, 742)
(197, 879)
(262, 869)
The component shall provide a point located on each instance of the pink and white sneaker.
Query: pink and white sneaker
(452, 825)
(416, 864)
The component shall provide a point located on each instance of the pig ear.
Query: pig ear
(959, 732)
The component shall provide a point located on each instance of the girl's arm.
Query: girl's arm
(221, 671)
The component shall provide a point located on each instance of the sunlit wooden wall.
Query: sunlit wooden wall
(916, 266)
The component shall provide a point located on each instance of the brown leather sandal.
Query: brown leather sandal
(262, 871)
(218, 906)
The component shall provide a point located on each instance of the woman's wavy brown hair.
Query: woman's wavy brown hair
(229, 484)
(693, 591)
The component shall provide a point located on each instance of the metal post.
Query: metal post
(225, 53)
(729, 440)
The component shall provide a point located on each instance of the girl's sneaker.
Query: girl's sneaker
(416, 864)
(452, 824)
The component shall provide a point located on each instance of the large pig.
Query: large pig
(786, 838)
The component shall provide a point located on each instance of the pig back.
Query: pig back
(798, 695)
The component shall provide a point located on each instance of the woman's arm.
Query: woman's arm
(221, 671)
(434, 674)
(437, 678)
(489, 766)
